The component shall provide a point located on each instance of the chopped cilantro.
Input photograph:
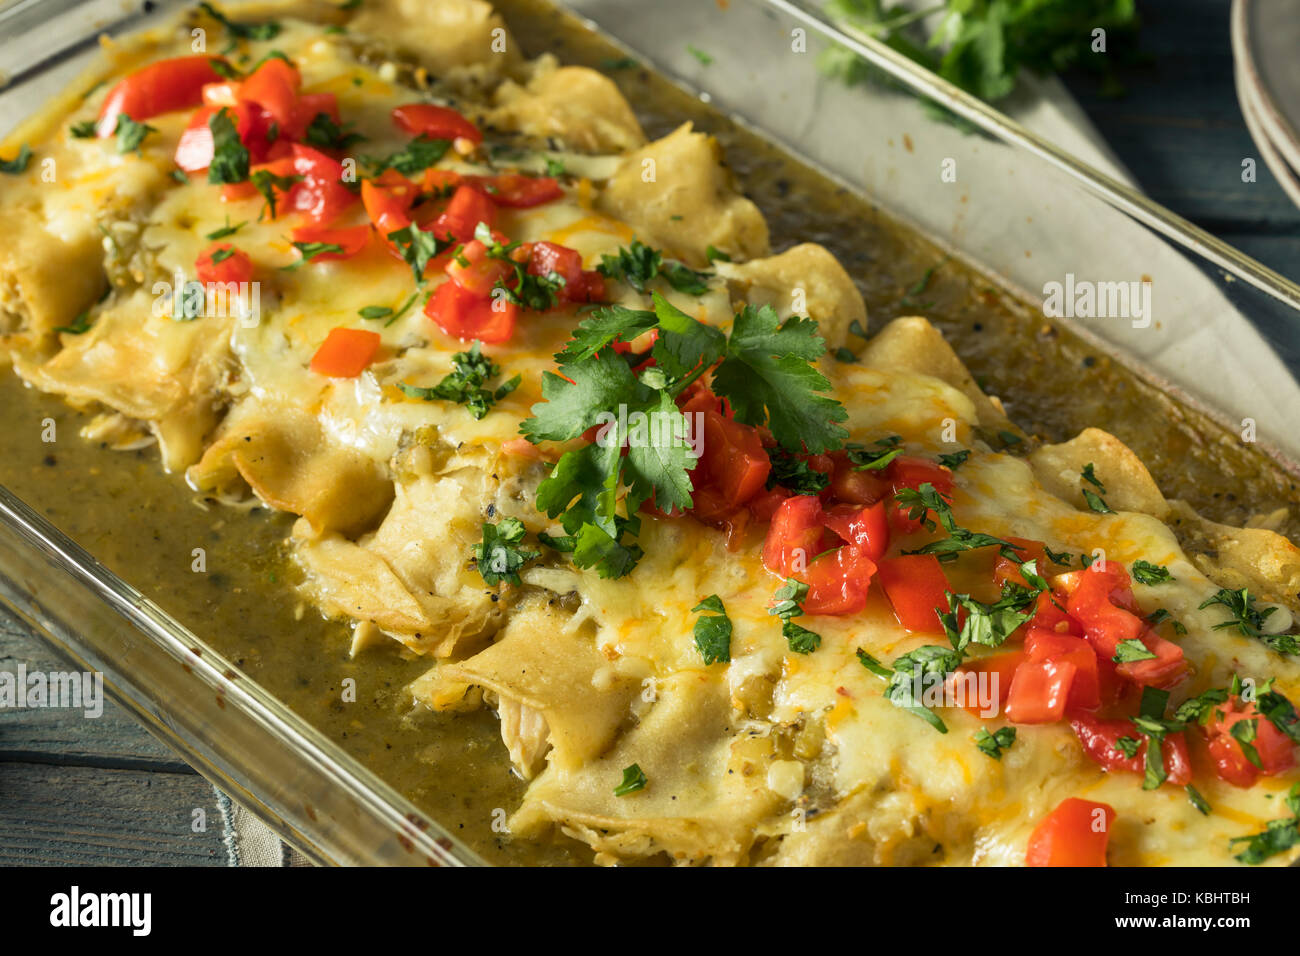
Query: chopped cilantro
(267, 30)
(1248, 620)
(464, 385)
(994, 743)
(1195, 799)
(323, 133)
(418, 246)
(497, 557)
(793, 472)
(1278, 836)
(227, 229)
(130, 134)
(637, 264)
(633, 780)
(713, 631)
(230, 157)
(955, 460)
(417, 156)
(1147, 573)
(1128, 651)
(83, 130)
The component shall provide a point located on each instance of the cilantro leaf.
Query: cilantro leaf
(1128, 651)
(713, 632)
(414, 158)
(800, 639)
(230, 158)
(634, 779)
(1278, 836)
(915, 669)
(768, 377)
(497, 557)
(418, 246)
(994, 743)
(130, 134)
(1196, 800)
(794, 473)
(1147, 573)
(323, 133)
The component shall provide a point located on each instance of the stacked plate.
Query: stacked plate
(1265, 37)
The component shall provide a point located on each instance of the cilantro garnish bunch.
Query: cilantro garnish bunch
(764, 368)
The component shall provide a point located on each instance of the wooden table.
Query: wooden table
(103, 791)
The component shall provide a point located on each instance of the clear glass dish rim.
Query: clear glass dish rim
(356, 782)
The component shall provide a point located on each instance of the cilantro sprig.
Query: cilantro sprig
(763, 368)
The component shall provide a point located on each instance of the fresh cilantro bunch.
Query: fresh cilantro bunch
(982, 45)
(763, 368)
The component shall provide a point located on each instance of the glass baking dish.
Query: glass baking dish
(1019, 209)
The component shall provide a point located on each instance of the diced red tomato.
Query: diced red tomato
(467, 208)
(280, 168)
(1074, 834)
(320, 198)
(907, 471)
(214, 265)
(865, 528)
(838, 582)
(274, 87)
(464, 315)
(1039, 691)
(916, 587)
(794, 537)
(765, 504)
(195, 147)
(308, 107)
(1004, 569)
(387, 200)
(1099, 737)
(518, 191)
(852, 486)
(1091, 604)
(161, 87)
(352, 240)
(1274, 749)
(1001, 670)
(732, 460)
(579, 286)
(479, 274)
(1085, 688)
(438, 122)
(345, 353)
(1049, 614)
(1166, 670)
